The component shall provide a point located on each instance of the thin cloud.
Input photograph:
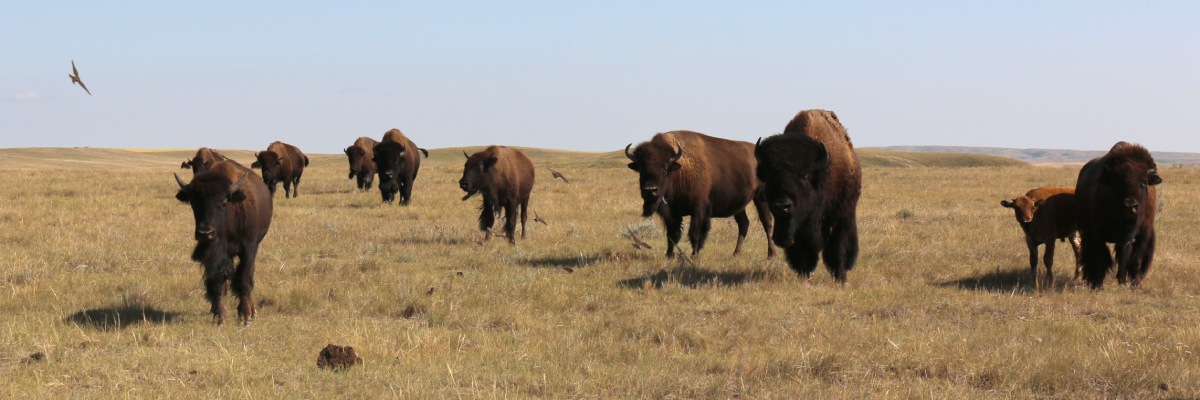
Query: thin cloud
(28, 96)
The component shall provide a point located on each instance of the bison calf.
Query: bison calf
(232, 210)
(504, 176)
(1117, 200)
(1046, 215)
(362, 165)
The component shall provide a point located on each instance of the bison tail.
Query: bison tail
(305, 161)
(424, 151)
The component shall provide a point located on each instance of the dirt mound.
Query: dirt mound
(338, 357)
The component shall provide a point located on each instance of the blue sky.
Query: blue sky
(594, 75)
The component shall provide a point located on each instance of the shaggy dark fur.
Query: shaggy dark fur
(204, 158)
(1046, 215)
(1117, 200)
(232, 210)
(282, 162)
(504, 176)
(813, 182)
(362, 165)
(684, 173)
(397, 163)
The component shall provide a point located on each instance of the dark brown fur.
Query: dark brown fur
(1117, 200)
(282, 162)
(397, 162)
(504, 176)
(813, 182)
(232, 210)
(714, 178)
(1046, 215)
(202, 160)
(361, 156)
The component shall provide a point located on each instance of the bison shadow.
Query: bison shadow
(693, 277)
(578, 261)
(1009, 281)
(122, 317)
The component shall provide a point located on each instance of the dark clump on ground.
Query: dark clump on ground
(35, 358)
(338, 357)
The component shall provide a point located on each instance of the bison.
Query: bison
(813, 182)
(504, 176)
(397, 164)
(1047, 214)
(204, 158)
(281, 162)
(360, 156)
(684, 173)
(1116, 198)
(232, 210)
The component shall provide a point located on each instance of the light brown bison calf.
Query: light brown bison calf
(1046, 215)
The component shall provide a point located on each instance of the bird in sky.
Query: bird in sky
(537, 218)
(637, 243)
(75, 78)
(558, 175)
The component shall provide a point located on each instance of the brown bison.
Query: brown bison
(202, 160)
(813, 181)
(281, 162)
(362, 166)
(232, 209)
(684, 173)
(397, 162)
(1117, 200)
(1047, 214)
(504, 176)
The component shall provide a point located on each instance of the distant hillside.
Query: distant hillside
(870, 157)
(1045, 156)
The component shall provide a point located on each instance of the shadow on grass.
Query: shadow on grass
(1009, 281)
(693, 277)
(120, 318)
(578, 261)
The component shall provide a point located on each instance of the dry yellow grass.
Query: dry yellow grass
(95, 275)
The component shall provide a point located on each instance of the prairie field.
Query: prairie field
(100, 299)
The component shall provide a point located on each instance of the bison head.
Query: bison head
(654, 162)
(270, 162)
(1129, 172)
(1024, 207)
(793, 169)
(477, 173)
(355, 155)
(389, 163)
(209, 194)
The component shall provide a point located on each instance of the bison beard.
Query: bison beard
(214, 256)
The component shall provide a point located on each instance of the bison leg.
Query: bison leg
(510, 222)
(368, 181)
(271, 185)
(743, 224)
(1073, 239)
(524, 210)
(243, 284)
(1142, 257)
(406, 191)
(487, 218)
(841, 250)
(674, 226)
(764, 216)
(1097, 260)
(215, 287)
(296, 187)
(1048, 259)
(699, 227)
(1124, 253)
(287, 188)
(802, 258)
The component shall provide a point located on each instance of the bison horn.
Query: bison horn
(678, 152)
(465, 154)
(234, 187)
(627, 152)
(179, 181)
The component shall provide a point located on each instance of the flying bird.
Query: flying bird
(558, 175)
(637, 243)
(537, 218)
(75, 78)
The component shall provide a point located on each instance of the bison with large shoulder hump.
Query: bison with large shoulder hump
(204, 158)
(1045, 215)
(504, 176)
(281, 162)
(232, 210)
(684, 173)
(362, 165)
(813, 182)
(1117, 201)
(397, 162)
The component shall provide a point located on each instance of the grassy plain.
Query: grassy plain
(95, 276)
